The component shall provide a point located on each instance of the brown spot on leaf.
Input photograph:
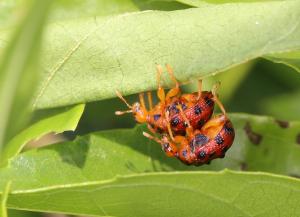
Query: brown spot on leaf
(255, 138)
(244, 166)
(282, 124)
(298, 139)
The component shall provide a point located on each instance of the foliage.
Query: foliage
(92, 48)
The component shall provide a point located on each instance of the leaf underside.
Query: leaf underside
(105, 172)
(98, 56)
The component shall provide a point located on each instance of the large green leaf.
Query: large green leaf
(62, 120)
(227, 194)
(99, 55)
(51, 178)
(19, 71)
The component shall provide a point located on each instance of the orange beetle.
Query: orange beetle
(165, 116)
(200, 146)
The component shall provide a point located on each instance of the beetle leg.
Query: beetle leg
(216, 99)
(169, 148)
(142, 101)
(150, 102)
(176, 90)
(167, 115)
(189, 130)
(160, 91)
(199, 89)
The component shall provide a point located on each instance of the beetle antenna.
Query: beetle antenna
(123, 112)
(122, 98)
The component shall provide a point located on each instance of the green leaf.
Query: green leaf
(62, 120)
(170, 194)
(52, 178)
(19, 71)
(291, 59)
(99, 55)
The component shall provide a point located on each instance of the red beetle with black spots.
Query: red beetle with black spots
(200, 146)
(165, 117)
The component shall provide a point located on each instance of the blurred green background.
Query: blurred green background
(257, 87)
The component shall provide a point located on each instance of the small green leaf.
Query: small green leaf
(64, 119)
(19, 71)
(86, 170)
(97, 56)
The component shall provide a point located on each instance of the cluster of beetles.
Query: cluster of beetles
(183, 124)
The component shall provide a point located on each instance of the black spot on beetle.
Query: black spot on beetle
(219, 140)
(197, 110)
(173, 108)
(175, 121)
(198, 140)
(201, 139)
(202, 155)
(184, 153)
(208, 101)
(228, 129)
(244, 166)
(183, 106)
(201, 123)
(298, 139)
(156, 117)
(283, 124)
(255, 138)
